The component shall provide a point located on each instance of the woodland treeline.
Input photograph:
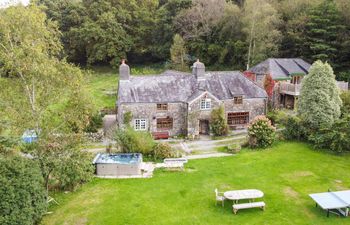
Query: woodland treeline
(222, 33)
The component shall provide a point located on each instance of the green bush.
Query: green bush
(343, 76)
(345, 97)
(62, 162)
(7, 145)
(261, 133)
(272, 116)
(336, 138)
(76, 170)
(127, 118)
(294, 129)
(218, 123)
(234, 148)
(23, 197)
(95, 123)
(162, 151)
(277, 116)
(130, 140)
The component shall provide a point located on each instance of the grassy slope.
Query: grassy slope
(287, 173)
(104, 79)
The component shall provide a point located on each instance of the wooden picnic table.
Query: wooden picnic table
(237, 195)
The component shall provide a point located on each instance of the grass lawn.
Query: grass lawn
(286, 173)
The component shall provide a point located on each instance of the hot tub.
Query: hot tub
(121, 164)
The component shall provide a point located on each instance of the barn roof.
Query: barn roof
(175, 86)
(281, 68)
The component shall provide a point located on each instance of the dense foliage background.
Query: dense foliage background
(222, 33)
(23, 197)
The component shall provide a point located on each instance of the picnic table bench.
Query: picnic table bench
(175, 162)
(249, 205)
(249, 194)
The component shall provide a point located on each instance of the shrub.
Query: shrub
(7, 145)
(218, 123)
(62, 162)
(261, 133)
(277, 116)
(272, 116)
(294, 129)
(130, 140)
(23, 197)
(234, 148)
(336, 138)
(162, 151)
(345, 97)
(127, 118)
(343, 76)
(76, 170)
(95, 123)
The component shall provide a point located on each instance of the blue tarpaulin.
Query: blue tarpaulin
(29, 136)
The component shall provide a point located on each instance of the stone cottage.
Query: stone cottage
(281, 77)
(175, 103)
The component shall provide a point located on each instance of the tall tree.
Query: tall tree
(37, 90)
(322, 32)
(163, 30)
(200, 19)
(68, 14)
(295, 16)
(178, 52)
(212, 31)
(319, 102)
(261, 21)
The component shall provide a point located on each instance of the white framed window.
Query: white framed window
(205, 104)
(140, 124)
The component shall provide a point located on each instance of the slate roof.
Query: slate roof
(281, 68)
(175, 86)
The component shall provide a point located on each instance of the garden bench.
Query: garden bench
(175, 162)
(249, 205)
(160, 135)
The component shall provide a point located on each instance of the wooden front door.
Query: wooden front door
(203, 127)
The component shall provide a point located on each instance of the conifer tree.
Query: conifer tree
(322, 31)
(319, 102)
(178, 52)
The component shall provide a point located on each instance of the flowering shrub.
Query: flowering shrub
(261, 133)
(163, 150)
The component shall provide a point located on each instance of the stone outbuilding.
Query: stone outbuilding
(281, 77)
(179, 103)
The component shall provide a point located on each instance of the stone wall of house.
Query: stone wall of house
(255, 107)
(185, 116)
(195, 114)
(148, 111)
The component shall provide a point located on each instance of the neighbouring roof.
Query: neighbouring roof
(281, 68)
(175, 86)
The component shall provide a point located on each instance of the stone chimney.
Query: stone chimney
(124, 71)
(198, 70)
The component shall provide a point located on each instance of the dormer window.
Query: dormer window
(205, 104)
(238, 100)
